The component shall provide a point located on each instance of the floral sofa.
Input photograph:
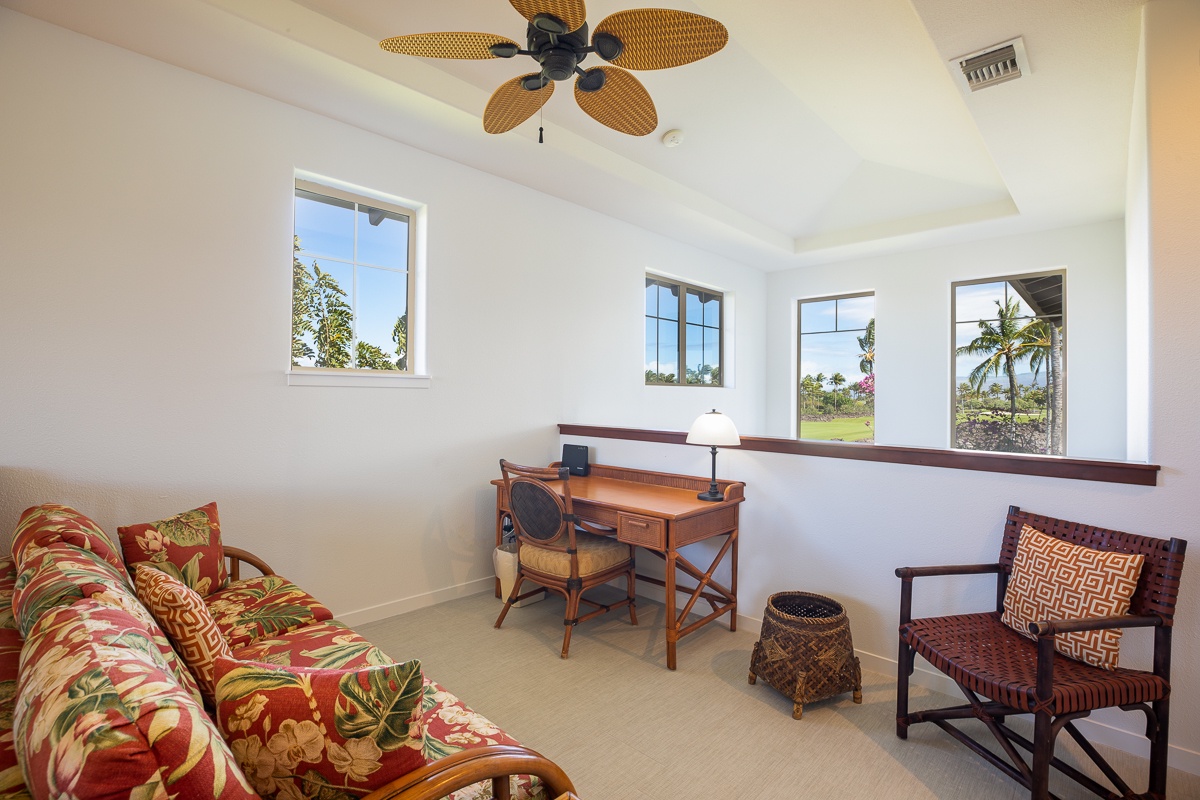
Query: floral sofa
(98, 700)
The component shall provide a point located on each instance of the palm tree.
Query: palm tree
(1043, 340)
(1004, 347)
(866, 343)
(836, 380)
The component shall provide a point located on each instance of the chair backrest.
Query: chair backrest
(541, 515)
(1158, 585)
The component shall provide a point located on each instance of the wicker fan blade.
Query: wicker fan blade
(512, 104)
(657, 38)
(622, 103)
(452, 44)
(571, 12)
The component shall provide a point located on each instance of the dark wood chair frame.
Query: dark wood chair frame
(1152, 605)
(557, 531)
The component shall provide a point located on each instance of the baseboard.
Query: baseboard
(406, 604)
(1099, 732)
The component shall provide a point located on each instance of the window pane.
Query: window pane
(695, 312)
(382, 238)
(853, 313)
(382, 301)
(836, 392)
(668, 302)
(651, 299)
(712, 348)
(712, 311)
(651, 346)
(996, 411)
(694, 357)
(668, 348)
(325, 225)
(978, 301)
(818, 316)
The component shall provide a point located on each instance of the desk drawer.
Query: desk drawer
(642, 531)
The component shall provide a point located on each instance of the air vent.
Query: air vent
(999, 63)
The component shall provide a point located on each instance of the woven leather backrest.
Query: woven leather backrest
(1158, 586)
(537, 509)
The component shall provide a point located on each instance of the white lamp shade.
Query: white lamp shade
(714, 428)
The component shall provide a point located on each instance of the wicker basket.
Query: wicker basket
(805, 650)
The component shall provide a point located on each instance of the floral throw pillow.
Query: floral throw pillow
(186, 546)
(182, 614)
(333, 734)
(1053, 579)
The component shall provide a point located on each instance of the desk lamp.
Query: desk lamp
(713, 429)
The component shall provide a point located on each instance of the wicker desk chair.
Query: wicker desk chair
(554, 553)
(1003, 673)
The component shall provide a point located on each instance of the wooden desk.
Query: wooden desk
(660, 512)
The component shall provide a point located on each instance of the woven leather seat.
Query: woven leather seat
(555, 553)
(1002, 673)
(983, 654)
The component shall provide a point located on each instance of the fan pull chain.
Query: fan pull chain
(540, 141)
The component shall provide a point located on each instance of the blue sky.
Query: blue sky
(829, 336)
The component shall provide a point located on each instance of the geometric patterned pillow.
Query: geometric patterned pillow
(187, 545)
(300, 732)
(185, 618)
(1053, 579)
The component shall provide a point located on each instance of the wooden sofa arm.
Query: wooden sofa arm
(495, 762)
(234, 556)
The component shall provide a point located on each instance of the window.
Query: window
(1009, 367)
(351, 281)
(836, 394)
(683, 334)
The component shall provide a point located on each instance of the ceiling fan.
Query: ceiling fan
(557, 38)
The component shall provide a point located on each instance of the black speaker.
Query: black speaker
(575, 458)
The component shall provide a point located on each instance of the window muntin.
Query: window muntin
(836, 369)
(351, 281)
(1009, 364)
(683, 334)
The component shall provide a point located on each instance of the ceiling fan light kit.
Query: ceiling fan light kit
(557, 39)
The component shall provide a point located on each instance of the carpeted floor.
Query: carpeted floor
(626, 728)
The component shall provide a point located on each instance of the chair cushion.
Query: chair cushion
(596, 554)
(58, 574)
(186, 621)
(51, 522)
(98, 715)
(986, 656)
(12, 783)
(1053, 579)
(255, 608)
(320, 645)
(300, 732)
(187, 546)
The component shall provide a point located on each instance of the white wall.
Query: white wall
(913, 337)
(145, 243)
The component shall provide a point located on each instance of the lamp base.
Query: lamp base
(711, 496)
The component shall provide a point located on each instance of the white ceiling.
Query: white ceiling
(823, 130)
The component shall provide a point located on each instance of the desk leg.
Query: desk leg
(672, 625)
(733, 566)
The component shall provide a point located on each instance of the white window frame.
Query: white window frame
(417, 374)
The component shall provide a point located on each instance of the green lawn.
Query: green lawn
(849, 429)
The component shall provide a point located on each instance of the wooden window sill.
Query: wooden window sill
(1081, 469)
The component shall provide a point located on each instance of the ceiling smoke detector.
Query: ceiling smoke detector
(993, 65)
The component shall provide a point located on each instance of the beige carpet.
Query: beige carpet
(625, 728)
